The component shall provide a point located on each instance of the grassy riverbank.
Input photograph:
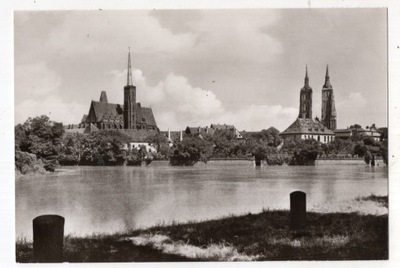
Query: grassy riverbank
(262, 236)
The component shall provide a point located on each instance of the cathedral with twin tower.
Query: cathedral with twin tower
(305, 127)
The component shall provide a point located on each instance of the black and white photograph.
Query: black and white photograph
(195, 134)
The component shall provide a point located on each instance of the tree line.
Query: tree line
(42, 145)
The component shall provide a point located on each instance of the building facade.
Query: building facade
(328, 110)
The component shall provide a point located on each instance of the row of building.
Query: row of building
(139, 122)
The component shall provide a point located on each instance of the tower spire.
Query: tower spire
(306, 84)
(327, 81)
(129, 76)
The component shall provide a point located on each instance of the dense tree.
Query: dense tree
(224, 142)
(270, 136)
(41, 137)
(338, 146)
(302, 152)
(157, 139)
(190, 151)
(160, 141)
(72, 149)
(104, 147)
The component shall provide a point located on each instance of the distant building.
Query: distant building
(304, 127)
(129, 116)
(230, 128)
(328, 110)
(138, 145)
(369, 131)
(343, 134)
(210, 131)
(307, 129)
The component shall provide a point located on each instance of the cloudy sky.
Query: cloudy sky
(197, 67)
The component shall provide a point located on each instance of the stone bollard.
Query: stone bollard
(48, 238)
(298, 211)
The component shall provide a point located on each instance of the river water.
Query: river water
(110, 199)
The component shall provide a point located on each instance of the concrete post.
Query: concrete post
(298, 211)
(48, 238)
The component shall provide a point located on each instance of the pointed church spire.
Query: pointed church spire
(306, 78)
(129, 78)
(327, 82)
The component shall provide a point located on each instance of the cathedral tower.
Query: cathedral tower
(306, 99)
(328, 110)
(129, 100)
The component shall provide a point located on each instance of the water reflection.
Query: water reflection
(110, 199)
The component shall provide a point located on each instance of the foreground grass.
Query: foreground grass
(263, 236)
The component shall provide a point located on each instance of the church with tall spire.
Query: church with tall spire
(129, 116)
(328, 110)
(305, 110)
(305, 127)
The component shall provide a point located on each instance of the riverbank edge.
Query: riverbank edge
(263, 236)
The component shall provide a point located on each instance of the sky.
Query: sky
(197, 67)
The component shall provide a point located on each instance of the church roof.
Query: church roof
(307, 126)
(104, 109)
(145, 115)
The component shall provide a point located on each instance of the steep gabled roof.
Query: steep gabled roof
(307, 126)
(99, 110)
(145, 115)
